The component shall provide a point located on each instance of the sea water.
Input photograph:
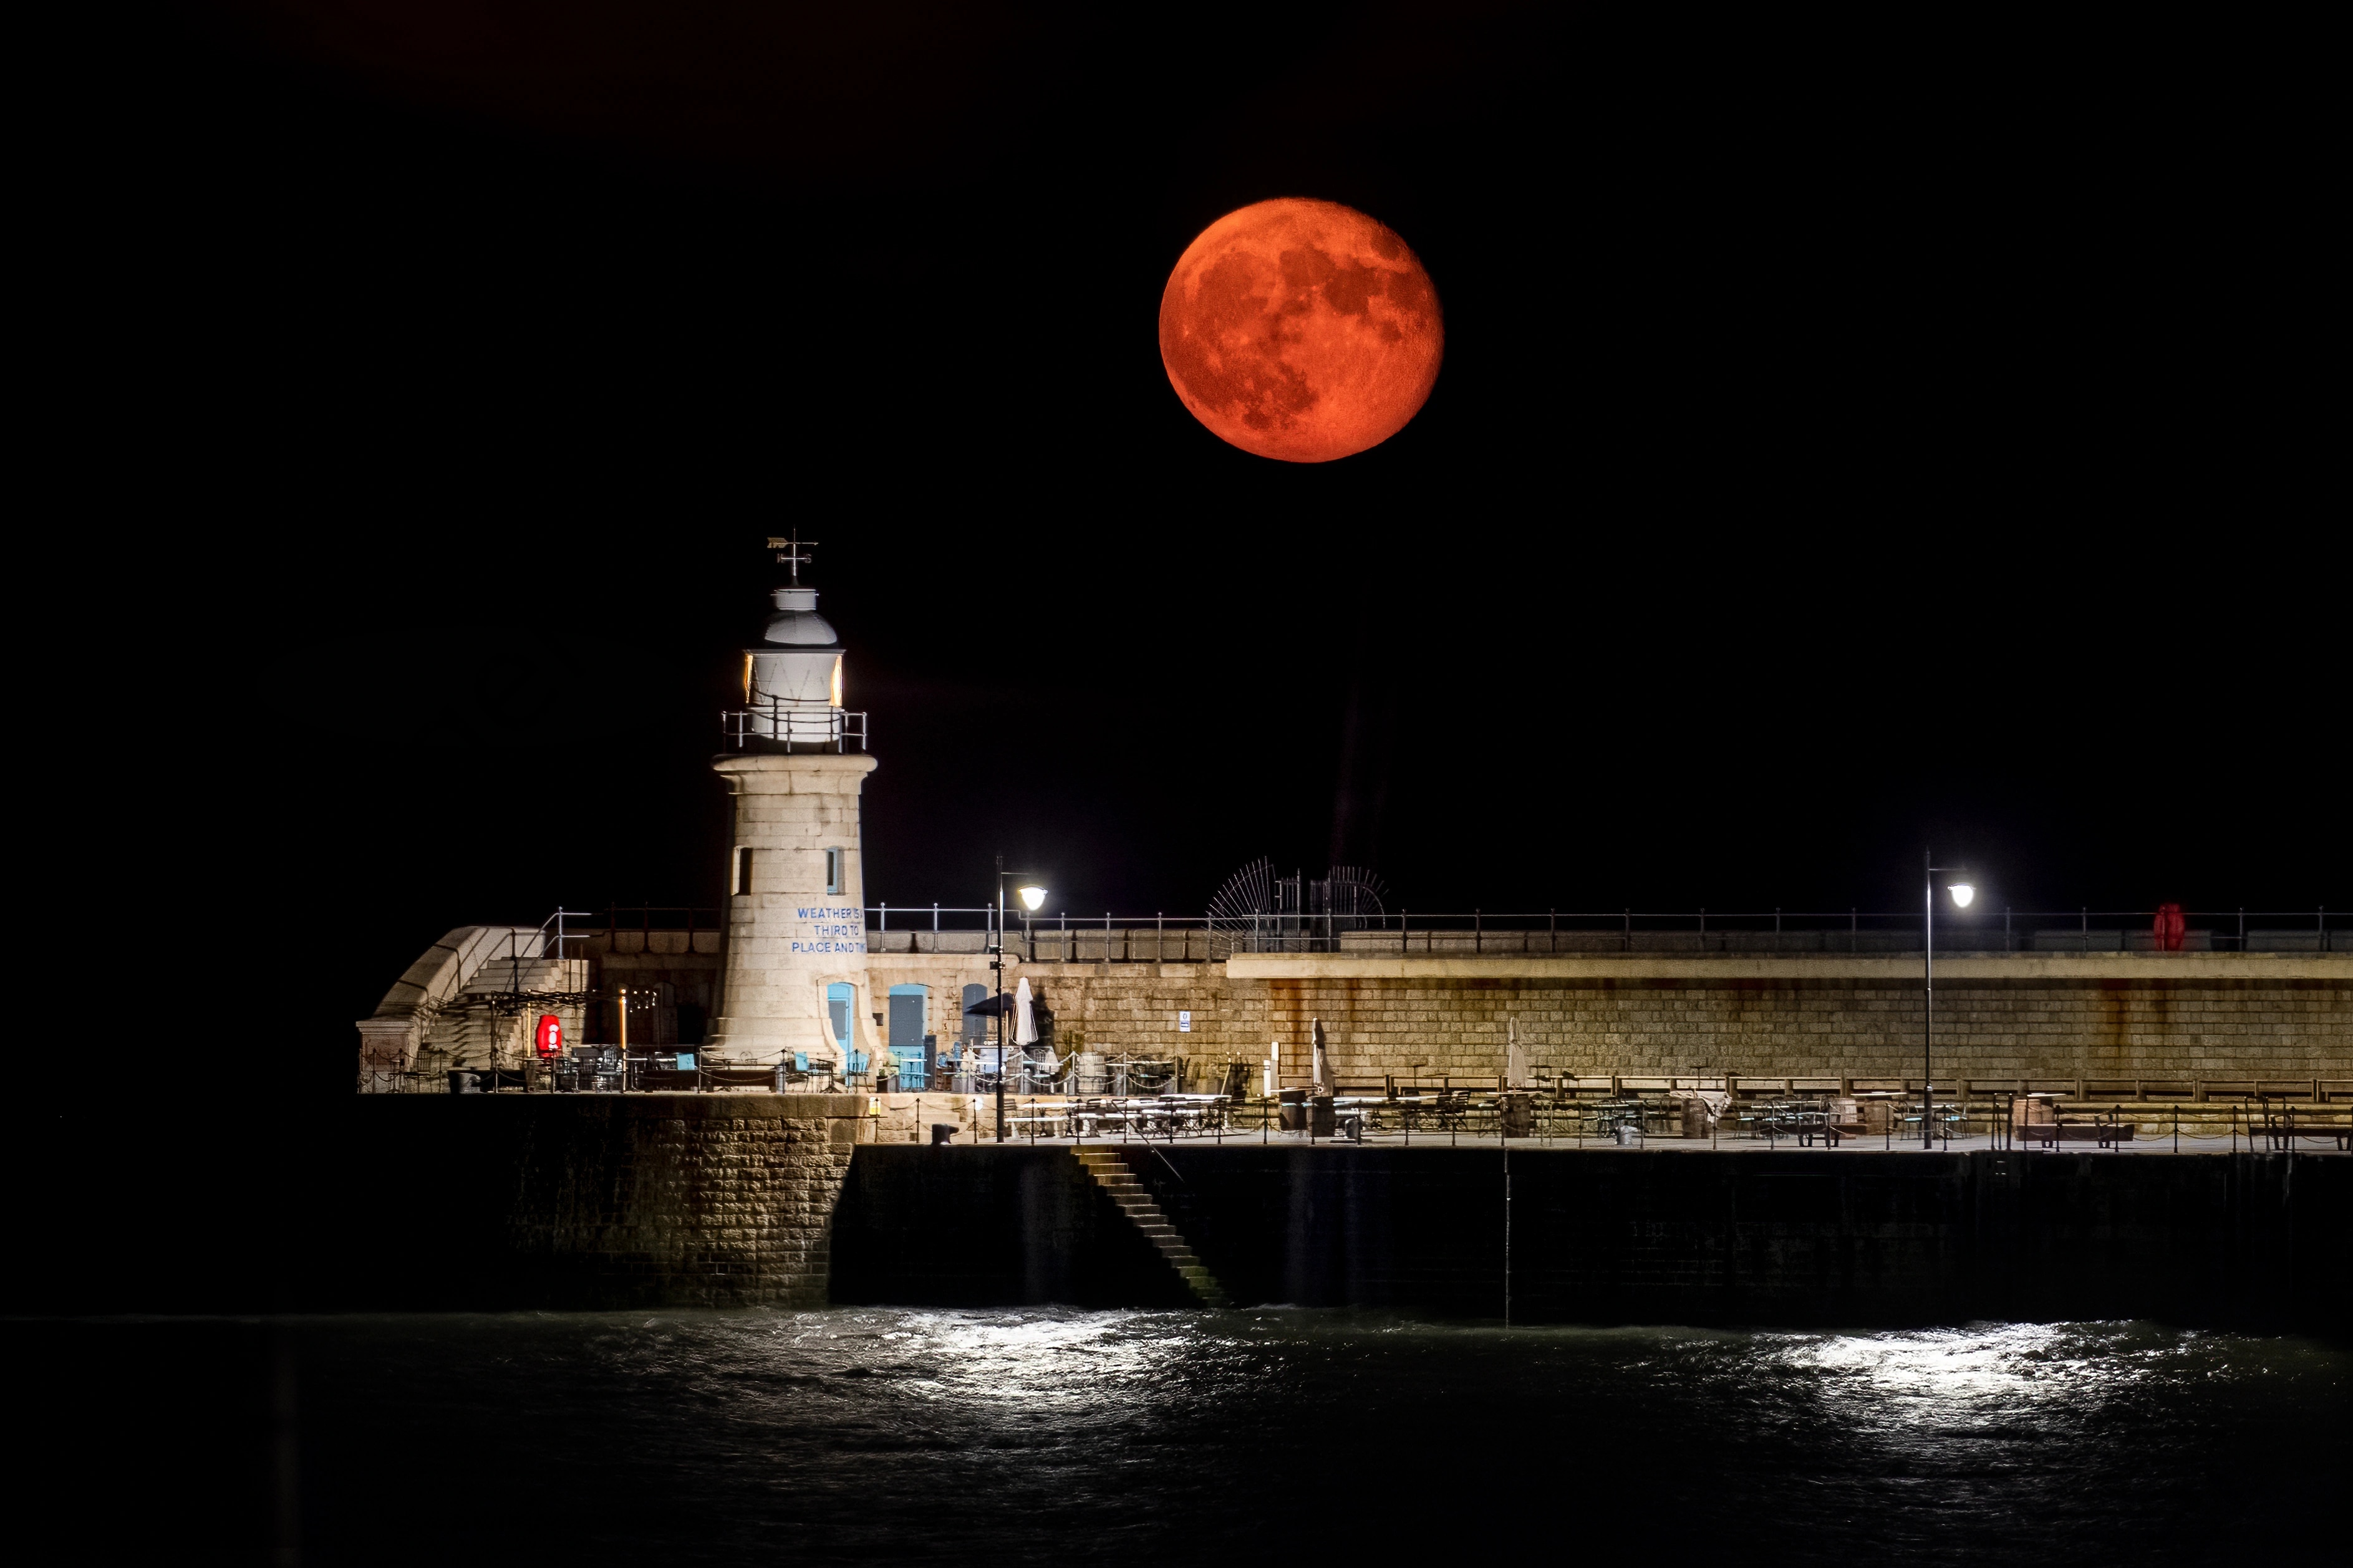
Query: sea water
(1047, 1435)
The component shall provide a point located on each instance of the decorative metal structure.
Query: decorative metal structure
(1258, 911)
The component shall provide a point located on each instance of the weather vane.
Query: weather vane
(792, 548)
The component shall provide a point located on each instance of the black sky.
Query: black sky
(1846, 441)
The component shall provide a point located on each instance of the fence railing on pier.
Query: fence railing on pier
(1160, 938)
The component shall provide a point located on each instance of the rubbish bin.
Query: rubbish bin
(1518, 1114)
(1292, 1116)
(464, 1082)
(1320, 1122)
(943, 1132)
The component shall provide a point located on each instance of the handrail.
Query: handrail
(795, 724)
(1483, 931)
(1711, 915)
(1510, 933)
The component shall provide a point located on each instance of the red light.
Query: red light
(551, 1035)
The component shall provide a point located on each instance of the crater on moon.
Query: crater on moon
(1301, 329)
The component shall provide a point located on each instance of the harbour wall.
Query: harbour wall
(2174, 1018)
(2114, 1017)
(510, 1201)
(1623, 1236)
(582, 1201)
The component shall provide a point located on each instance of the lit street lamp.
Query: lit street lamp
(1033, 896)
(1963, 890)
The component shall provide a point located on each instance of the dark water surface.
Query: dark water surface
(1061, 1435)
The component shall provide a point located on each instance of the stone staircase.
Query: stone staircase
(530, 974)
(1112, 1174)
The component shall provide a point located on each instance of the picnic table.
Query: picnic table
(1807, 1120)
(1146, 1116)
(2106, 1128)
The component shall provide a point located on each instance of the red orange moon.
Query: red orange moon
(1301, 329)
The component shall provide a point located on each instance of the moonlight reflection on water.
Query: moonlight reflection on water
(1050, 1434)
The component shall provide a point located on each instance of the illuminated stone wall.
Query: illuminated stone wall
(2104, 1016)
(790, 935)
(575, 1200)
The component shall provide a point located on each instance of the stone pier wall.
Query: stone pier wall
(1802, 1237)
(574, 1200)
(2123, 1016)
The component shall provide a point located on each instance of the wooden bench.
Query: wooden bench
(739, 1078)
(2051, 1133)
(2282, 1127)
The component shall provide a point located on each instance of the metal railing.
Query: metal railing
(1164, 937)
(1612, 1112)
(797, 726)
(549, 944)
(1160, 937)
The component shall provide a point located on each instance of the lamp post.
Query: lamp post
(1032, 895)
(1962, 890)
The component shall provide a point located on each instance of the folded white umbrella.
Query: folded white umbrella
(1516, 1057)
(1323, 1057)
(1025, 1021)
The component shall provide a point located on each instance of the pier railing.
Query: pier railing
(1065, 937)
(1161, 938)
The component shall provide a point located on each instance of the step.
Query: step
(1120, 1182)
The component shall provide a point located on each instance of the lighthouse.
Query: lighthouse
(794, 982)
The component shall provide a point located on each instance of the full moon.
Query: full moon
(1301, 329)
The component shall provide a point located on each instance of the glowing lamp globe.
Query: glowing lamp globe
(1032, 898)
(1962, 894)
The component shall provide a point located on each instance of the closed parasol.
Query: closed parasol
(1025, 1016)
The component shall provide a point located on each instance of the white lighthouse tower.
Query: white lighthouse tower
(796, 975)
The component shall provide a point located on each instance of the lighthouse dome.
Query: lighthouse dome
(796, 621)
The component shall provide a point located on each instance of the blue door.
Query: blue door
(908, 1006)
(839, 998)
(976, 1030)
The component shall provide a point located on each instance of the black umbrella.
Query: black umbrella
(993, 1007)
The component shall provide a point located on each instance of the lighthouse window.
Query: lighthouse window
(833, 870)
(741, 881)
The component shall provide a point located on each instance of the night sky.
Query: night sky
(1844, 443)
